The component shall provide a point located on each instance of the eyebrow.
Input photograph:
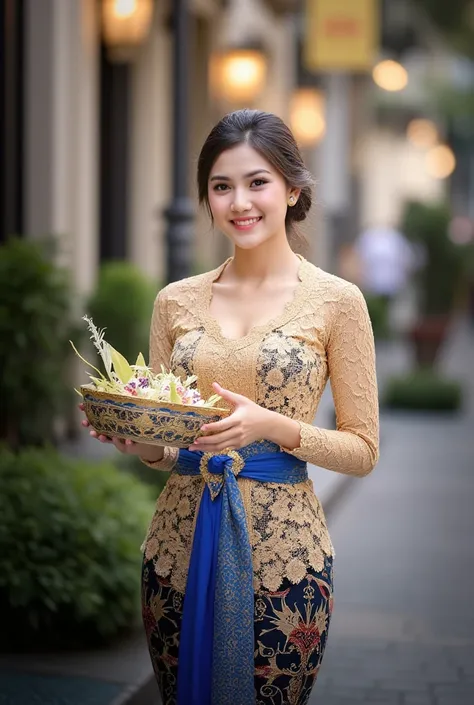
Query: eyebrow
(246, 176)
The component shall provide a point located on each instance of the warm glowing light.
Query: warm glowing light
(422, 133)
(124, 8)
(390, 75)
(440, 162)
(307, 119)
(238, 76)
(125, 25)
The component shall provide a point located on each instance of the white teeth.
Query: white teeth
(247, 222)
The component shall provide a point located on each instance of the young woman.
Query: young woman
(238, 565)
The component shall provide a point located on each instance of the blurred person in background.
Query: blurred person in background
(386, 264)
(237, 582)
(387, 260)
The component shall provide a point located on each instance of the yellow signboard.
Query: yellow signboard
(341, 34)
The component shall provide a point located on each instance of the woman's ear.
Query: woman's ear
(293, 195)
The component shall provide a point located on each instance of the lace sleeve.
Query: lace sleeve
(353, 449)
(161, 346)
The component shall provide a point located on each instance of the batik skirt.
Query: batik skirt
(290, 629)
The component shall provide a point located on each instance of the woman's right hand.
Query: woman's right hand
(94, 434)
(144, 451)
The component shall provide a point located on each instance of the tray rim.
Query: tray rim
(153, 403)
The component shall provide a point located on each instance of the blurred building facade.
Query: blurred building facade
(86, 141)
(92, 137)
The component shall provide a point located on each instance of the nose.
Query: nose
(240, 203)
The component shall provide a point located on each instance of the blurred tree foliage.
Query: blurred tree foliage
(455, 20)
(36, 323)
(445, 263)
(122, 303)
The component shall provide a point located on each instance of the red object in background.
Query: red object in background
(337, 27)
(428, 336)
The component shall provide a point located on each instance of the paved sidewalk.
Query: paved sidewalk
(403, 624)
(101, 677)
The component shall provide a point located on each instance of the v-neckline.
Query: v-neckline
(212, 325)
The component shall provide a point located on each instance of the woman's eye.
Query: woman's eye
(259, 182)
(220, 187)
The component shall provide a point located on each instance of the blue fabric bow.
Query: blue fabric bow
(216, 651)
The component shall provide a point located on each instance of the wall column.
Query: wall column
(60, 163)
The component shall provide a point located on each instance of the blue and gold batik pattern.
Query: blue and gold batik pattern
(290, 635)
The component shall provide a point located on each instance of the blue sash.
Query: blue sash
(216, 651)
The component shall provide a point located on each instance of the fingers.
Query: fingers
(232, 397)
(124, 445)
(119, 443)
(212, 444)
(101, 437)
(84, 422)
(219, 426)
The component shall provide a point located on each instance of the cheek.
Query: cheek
(218, 206)
(272, 204)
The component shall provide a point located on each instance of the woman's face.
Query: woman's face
(248, 197)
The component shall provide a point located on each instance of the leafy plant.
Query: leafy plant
(423, 390)
(378, 308)
(35, 327)
(157, 479)
(70, 536)
(445, 262)
(454, 20)
(122, 303)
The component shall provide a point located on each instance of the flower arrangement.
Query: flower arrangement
(139, 380)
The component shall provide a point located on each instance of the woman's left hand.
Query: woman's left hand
(247, 423)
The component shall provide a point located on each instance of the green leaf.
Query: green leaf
(213, 400)
(84, 360)
(140, 361)
(174, 396)
(96, 380)
(121, 367)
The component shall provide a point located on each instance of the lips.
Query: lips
(245, 223)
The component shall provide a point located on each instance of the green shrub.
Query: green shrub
(150, 476)
(70, 537)
(35, 327)
(123, 303)
(378, 308)
(444, 269)
(423, 390)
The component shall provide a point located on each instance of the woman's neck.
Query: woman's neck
(265, 262)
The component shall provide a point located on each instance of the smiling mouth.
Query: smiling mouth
(246, 222)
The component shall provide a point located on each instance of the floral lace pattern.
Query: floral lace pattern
(184, 350)
(288, 374)
(169, 539)
(289, 534)
(323, 332)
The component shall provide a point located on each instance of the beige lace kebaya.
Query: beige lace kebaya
(324, 332)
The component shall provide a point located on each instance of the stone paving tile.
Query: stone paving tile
(36, 689)
(394, 674)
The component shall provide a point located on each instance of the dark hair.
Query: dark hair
(269, 135)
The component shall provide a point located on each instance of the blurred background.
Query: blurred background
(104, 105)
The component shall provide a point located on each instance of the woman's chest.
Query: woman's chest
(237, 314)
(276, 368)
